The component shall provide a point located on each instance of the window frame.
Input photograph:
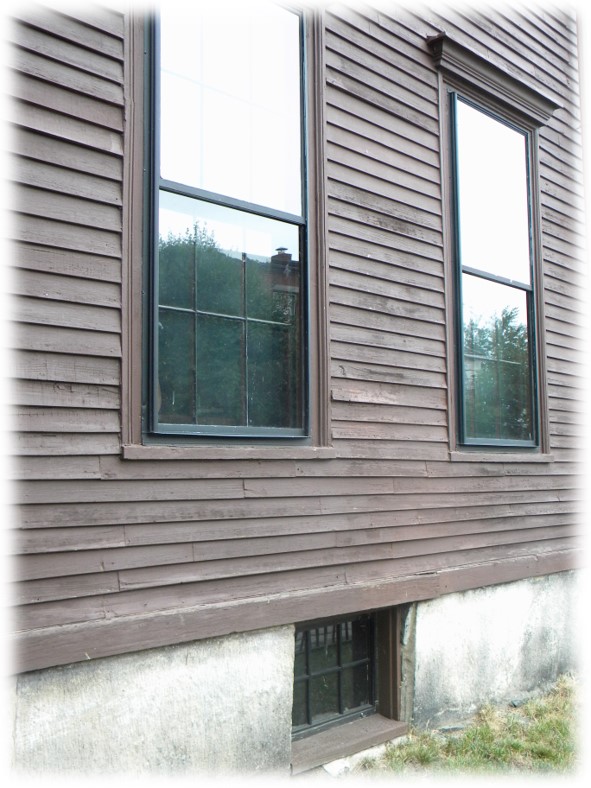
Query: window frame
(461, 268)
(156, 184)
(350, 734)
(480, 81)
(137, 443)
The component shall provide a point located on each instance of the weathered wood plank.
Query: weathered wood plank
(69, 129)
(38, 147)
(41, 94)
(48, 36)
(47, 232)
(64, 368)
(68, 315)
(65, 262)
(66, 28)
(66, 76)
(54, 287)
(46, 394)
(64, 444)
(55, 178)
(60, 340)
(64, 419)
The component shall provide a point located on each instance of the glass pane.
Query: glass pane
(493, 195)
(355, 640)
(323, 648)
(300, 667)
(230, 101)
(220, 371)
(273, 380)
(176, 368)
(324, 697)
(356, 687)
(497, 372)
(299, 713)
(224, 262)
(176, 271)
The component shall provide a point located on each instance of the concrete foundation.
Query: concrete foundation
(491, 645)
(223, 706)
(220, 705)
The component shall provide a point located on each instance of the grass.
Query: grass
(537, 737)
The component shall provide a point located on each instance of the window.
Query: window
(494, 252)
(495, 283)
(347, 679)
(228, 258)
(334, 674)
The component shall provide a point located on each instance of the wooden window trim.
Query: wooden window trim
(134, 443)
(473, 76)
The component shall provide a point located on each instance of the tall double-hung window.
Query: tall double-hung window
(495, 282)
(228, 243)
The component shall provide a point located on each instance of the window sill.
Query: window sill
(283, 452)
(343, 740)
(499, 456)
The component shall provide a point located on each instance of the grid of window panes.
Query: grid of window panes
(494, 249)
(229, 297)
(334, 674)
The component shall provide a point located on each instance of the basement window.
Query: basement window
(334, 674)
(346, 694)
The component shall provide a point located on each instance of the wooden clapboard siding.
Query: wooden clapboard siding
(114, 554)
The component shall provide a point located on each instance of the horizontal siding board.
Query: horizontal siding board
(80, 547)
(376, 123)
(52, 97)
(71, 468)
(59, 340)
(65, 262)
(66, 444)
(66, 76)
(53, 287)
(69, 129)
(64, 368)
(114, 513)
(45, 37)
(59, 234)
(64, 154)
(69, 315)
(45, 394)
(74, 32)
(65, 208)
(35, 419)
(56, 178)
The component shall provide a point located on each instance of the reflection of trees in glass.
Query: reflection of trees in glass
(229, 335)
(497, 378)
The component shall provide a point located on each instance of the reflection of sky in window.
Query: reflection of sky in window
(230, 111)
(233, 231)
(483, 300)
(494, 215)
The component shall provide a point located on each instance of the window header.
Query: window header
(455, 60)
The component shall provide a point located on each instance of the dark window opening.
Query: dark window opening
(334, 676)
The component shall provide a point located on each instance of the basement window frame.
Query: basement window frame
(376, 723)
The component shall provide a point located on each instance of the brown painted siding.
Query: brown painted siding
(120, 554)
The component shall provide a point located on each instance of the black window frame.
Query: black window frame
(464, 440)
(152, 430)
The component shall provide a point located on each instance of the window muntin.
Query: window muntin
(334, 674)
(495, 281)
(229, 265)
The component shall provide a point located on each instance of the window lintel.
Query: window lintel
(457, 61)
